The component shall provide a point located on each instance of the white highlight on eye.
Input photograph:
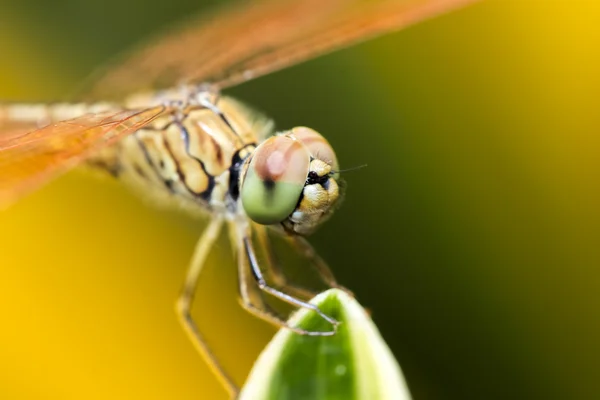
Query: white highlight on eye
(276, 163)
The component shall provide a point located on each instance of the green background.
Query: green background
(472, 235)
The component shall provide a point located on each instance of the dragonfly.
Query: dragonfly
(158, 122)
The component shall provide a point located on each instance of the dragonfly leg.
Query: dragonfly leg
(185, 300)
(273, 269)
(304, 248)
(248, 264)
(250, 294)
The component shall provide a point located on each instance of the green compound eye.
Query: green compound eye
(275, 179)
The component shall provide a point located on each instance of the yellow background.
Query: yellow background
(472, 235)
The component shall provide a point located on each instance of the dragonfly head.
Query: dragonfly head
(291, 179)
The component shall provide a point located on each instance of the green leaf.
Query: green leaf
(355, 363)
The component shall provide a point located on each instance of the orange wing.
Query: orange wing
(237, 44)
(10, 127)
(28, 159)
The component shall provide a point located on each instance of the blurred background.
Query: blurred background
(472, 235)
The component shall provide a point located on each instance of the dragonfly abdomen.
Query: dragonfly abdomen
(31, 116)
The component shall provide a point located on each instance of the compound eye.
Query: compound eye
(275, 179)
(318, 146)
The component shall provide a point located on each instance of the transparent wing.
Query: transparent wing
(28, 159)
(250, 39)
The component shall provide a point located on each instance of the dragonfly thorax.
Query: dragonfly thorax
(291, 179)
